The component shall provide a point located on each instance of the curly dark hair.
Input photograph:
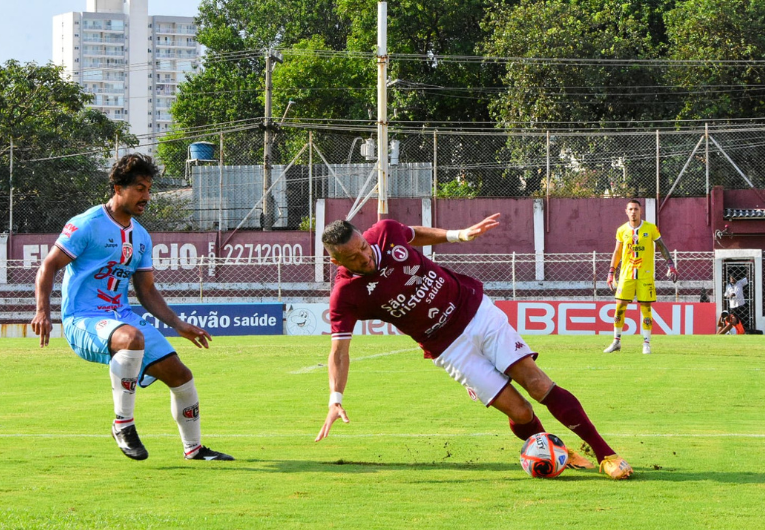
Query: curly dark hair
(337, 233)
(127, 170)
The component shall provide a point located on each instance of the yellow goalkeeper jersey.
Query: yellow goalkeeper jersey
(637, 250)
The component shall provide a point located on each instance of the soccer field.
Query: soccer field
(418, 452)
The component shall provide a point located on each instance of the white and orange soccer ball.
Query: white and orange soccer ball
(544, 456)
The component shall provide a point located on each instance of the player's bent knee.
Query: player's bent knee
(126, 338)
(524, 414)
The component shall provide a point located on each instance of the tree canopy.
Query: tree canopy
(60, 147)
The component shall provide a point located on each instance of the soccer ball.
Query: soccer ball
(544, 456)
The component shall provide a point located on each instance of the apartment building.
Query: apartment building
(131, 62)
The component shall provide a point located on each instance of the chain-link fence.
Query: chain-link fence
(219, 181)
(292, 279)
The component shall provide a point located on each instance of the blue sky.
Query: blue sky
(26, 26)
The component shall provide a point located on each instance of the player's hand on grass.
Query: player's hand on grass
(42, 326)
(335, 411)
(672, 272)
(195, 334)
(610, 281)
(468, 234)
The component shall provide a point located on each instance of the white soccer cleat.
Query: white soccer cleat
(614, 346)
(646, 348)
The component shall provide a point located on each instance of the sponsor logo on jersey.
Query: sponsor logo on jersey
(141, 248)
(401, 305)
(399, 253)
(69, 229)
(442, 320)
(386, 271)
(191, 412)
(412, 271)
(432, 312)
(519, 345)
(371, 287)
(472, 394)
(129, 384)
(114, 301)
(102, 324)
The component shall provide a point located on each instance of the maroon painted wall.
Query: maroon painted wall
(683, 224)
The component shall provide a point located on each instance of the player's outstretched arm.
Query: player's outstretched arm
(337, 366)
(424, 235)
(46, 274)
(151, 299)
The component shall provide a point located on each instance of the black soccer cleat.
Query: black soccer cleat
(129, 443)
(205, 453)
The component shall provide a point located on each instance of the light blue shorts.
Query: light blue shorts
(89, 338)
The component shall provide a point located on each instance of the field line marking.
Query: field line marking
(383, 435)
(307, 369)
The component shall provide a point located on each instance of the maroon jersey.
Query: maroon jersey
(431, 304)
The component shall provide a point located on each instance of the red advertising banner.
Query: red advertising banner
(597, 318)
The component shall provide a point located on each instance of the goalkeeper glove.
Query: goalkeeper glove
(671, 272)
(610, 280)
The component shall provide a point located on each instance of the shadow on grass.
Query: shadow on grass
(352, 466)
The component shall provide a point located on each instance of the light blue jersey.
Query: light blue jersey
(105, 256)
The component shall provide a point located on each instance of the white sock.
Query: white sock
(123, 371)
(647, 336)
(184, 406)
(617, 334)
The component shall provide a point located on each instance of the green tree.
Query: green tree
(716, 31)
(565, 91)
(60, 147)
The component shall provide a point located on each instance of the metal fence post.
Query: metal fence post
(220, 190)
(201, 278)
(547, 195)
(279, 278)
(310, 182)
(10, 199)
(677, 287)
(513, 280)
(435, 178)
(594, 276)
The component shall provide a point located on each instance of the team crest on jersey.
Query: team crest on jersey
(371, 287)
(127, 251)
(399, 253)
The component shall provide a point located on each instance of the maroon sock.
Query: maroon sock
(524, 431)
(565, 408)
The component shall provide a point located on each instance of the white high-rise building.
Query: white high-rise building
(131, 62)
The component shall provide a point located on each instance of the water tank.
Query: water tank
(202, 151)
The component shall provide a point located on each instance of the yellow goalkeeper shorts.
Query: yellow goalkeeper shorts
(628, 288)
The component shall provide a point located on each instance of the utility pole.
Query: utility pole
(267, 219)
(382, 110)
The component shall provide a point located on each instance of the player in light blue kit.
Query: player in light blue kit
(102, 249)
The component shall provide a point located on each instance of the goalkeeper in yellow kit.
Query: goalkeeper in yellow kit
(635, 241)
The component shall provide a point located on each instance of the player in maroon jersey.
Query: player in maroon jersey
(381, 276)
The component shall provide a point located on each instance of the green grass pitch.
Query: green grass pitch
(418, 452)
